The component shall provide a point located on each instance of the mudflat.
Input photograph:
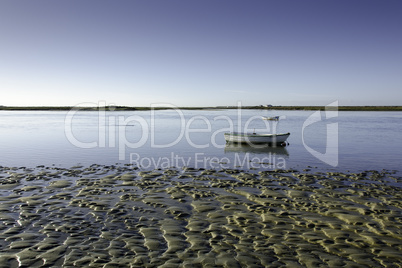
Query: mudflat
(119, 215)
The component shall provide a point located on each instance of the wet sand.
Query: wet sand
(119, 216)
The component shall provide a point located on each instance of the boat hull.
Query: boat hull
(274, 118)
(256, 138)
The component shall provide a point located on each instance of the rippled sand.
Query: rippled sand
(117, 216)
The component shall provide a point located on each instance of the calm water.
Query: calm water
(339, 140)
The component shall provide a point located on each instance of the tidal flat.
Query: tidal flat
(122, 216)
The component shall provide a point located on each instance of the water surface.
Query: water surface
(366, 140)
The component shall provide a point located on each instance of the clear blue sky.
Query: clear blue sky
(201, 53)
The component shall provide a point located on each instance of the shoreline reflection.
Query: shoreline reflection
(256, 149)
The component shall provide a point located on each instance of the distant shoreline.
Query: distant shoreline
(128, 108)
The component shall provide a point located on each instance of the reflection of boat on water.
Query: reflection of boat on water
(272, 118)
(254, 138)
(257, 149)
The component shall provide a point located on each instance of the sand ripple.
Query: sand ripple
(118, 216)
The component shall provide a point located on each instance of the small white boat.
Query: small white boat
(254, 138)
(273, 118)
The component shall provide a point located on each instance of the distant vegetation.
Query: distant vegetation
(127, 108)
(340, 108)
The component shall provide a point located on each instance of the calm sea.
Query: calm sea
(353, 141)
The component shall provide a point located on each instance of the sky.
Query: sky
(200, 53)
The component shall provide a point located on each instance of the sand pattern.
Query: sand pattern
(120, 216)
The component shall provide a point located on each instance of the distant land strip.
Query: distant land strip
(128, 108)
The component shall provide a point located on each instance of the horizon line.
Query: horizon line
(262, 107)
